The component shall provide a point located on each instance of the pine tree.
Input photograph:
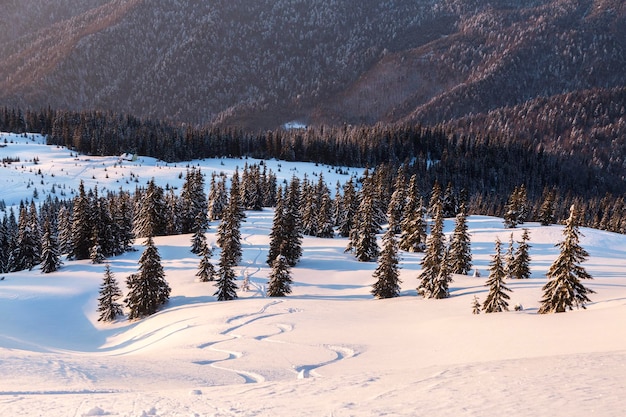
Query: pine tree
(387, 276)
(363, 237)
(476, 305)
(346, 213)
(441, 285)
(564, 289)
(509, 257)
(433, 258)
(150, 218)
(277, 234)
(110, 292)
(413, 238)
(65, 230)
(193, 200)
(496, 298)
(82, 232)
(206, 270)
(395, 211)
(460, 246)
(325, 219)
(96, 255)
(512, 210)
(280, 278)
(291, 245)
(229, 234)
(546, 212)
(50, 256)
(198, 240)
(147, 290)
(520, 267)
(226, 285)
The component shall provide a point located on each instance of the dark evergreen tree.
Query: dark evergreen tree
(413, 238)
(396, 209)
(387, 274)
(441, 286)
(496, 298)
(280, 278)
(277, 234)
(460, 246)
(228, 231)
(509, 257)
(198, 240)
(206, 270)
(449, 202)
(363, 236)
(82, 227)
(325, 219)
(193, 200)
(65, 230)
(520, 267)
(310, 209)
(50, 255)
(123, 219)
(512, 210)
(346, 212)
(147, 290)
(433, 257)
(291, 246)
(564, 289)
(218, 198)
(546, 212)
(226, 285)
(150, 217)
(110, 292)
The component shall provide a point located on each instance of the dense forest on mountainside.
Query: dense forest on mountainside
(257, 65)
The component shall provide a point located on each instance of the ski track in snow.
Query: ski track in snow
(243, 320)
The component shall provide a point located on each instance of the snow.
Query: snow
(328, 349)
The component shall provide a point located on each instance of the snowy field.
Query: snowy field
(328, 349)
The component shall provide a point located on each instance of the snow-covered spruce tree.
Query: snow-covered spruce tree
(147, 290)
(325, 219)
(509, 257)
(387, 276)
(206, 270)
(460, 245)
(122, 213)
(512, 210)
(95, 254)
(218, 198)
(441, 286)
(291, 244)
(476, 305)
(82, 232)
(310, 209)
(396, 209)
(280, 278)
(413, 238)
(520, 267)
(277, 233)
(433, 257)
(64, 226)
(363, 237)
(226, 285)
(150, 217)
(546, 211)
(193, 200)
(198, 240)
(229, 233)
(564, 289)
(346, 212)
(496, 298)
(110, 292)
(50, 255)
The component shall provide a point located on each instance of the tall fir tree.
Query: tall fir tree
(110, 292)
(229, 233)
(363, 236)
(198, 240)
(509, 257)
(434, 255)
(387, 273)
(413, 237)
(193, 200)
(82, 226)
(346, 212)
(547, 209)
(564, 289)
(291, 245)
(496, 298)
(520, 268)
(396, 209)
(280, 278)
(226, 280)
(441, 285)
(277, 234)
(147, 290)
(50, 254)
(206, 270)
(460, 245)
(150, 218)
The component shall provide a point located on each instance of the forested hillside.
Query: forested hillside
(259, 64)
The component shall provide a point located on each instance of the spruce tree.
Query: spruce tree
(387, 275)
(475, 305)
(564, 289)
(363, 237)
(291, 244)
(346, 213)
(520, 267)
(206, 270)
(280, 278)
(325, 219)
(226, 285)
(229, 233)
(110, 292)
(277, 234)
(496, 298)
(546, 211)
(82, 232)
(441, 285)
(509, 257)
(198, 240)
(50, 255)
(147, 290)
(150, 218)
(460, 246)
(396, 209)
(433, 258)
(512, 210)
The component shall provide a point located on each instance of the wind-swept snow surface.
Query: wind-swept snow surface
(328, 349)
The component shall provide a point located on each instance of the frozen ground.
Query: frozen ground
(328, 349)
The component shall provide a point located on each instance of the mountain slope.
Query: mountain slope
(260, 64)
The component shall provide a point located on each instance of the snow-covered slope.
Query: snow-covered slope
(328, 349)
